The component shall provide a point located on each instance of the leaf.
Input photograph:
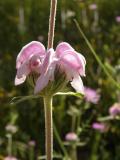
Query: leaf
(20, 99)
(76, 94)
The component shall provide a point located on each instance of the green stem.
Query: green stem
(60, 141)
(73, 152)
(48, 127)
(9, 144)
(31, 153)
(73, 123)
(95, 146)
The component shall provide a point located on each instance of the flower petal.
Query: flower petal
(74, 61)
(19, 80)
(33, 47)
(47, 73)
(77, 84)
(23, 70)
(41, 83)
(62, 47)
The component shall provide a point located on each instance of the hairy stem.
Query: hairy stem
(48, 127)
(52, 23)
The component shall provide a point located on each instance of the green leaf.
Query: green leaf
(76, 94)
(20, 99)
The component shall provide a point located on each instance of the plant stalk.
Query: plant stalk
(73, 152)
(9, 145)
(52, 23)
(48, 127)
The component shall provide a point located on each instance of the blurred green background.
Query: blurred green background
(22, 21)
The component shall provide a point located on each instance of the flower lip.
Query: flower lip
(34, 62)
(33, 47)
(62, 47)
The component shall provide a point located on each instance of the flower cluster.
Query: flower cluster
(115, 109)
(101, 127)
(42, 64)
(117, 19)
(11, 128)
(93, 6)
(91, 95)
(71, 136)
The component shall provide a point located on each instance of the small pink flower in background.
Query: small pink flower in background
(93, 6)
(115, 109)
(117, 19)
(91, 95)
(71, 136)
(10, 158)
(32, 143)
(34, 58)
(11, 128)
(100, 127)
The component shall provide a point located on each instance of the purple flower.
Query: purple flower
(91, 95)
(99, 126)
(115, 109)
(33, 58)
(71, 136)
(93, 6)
(117, 19)
(10, 158)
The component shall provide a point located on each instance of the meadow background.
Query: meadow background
(22, 21)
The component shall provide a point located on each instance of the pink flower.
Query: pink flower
(117, 19)
(115, 109)
(47, 71)
(93, 6)
(71, 136)
(10, 158)
(34, 58)
(100, 127)
(32, 143)
(28, 60)
(91, 95)
(11, 128)
(73, 64)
